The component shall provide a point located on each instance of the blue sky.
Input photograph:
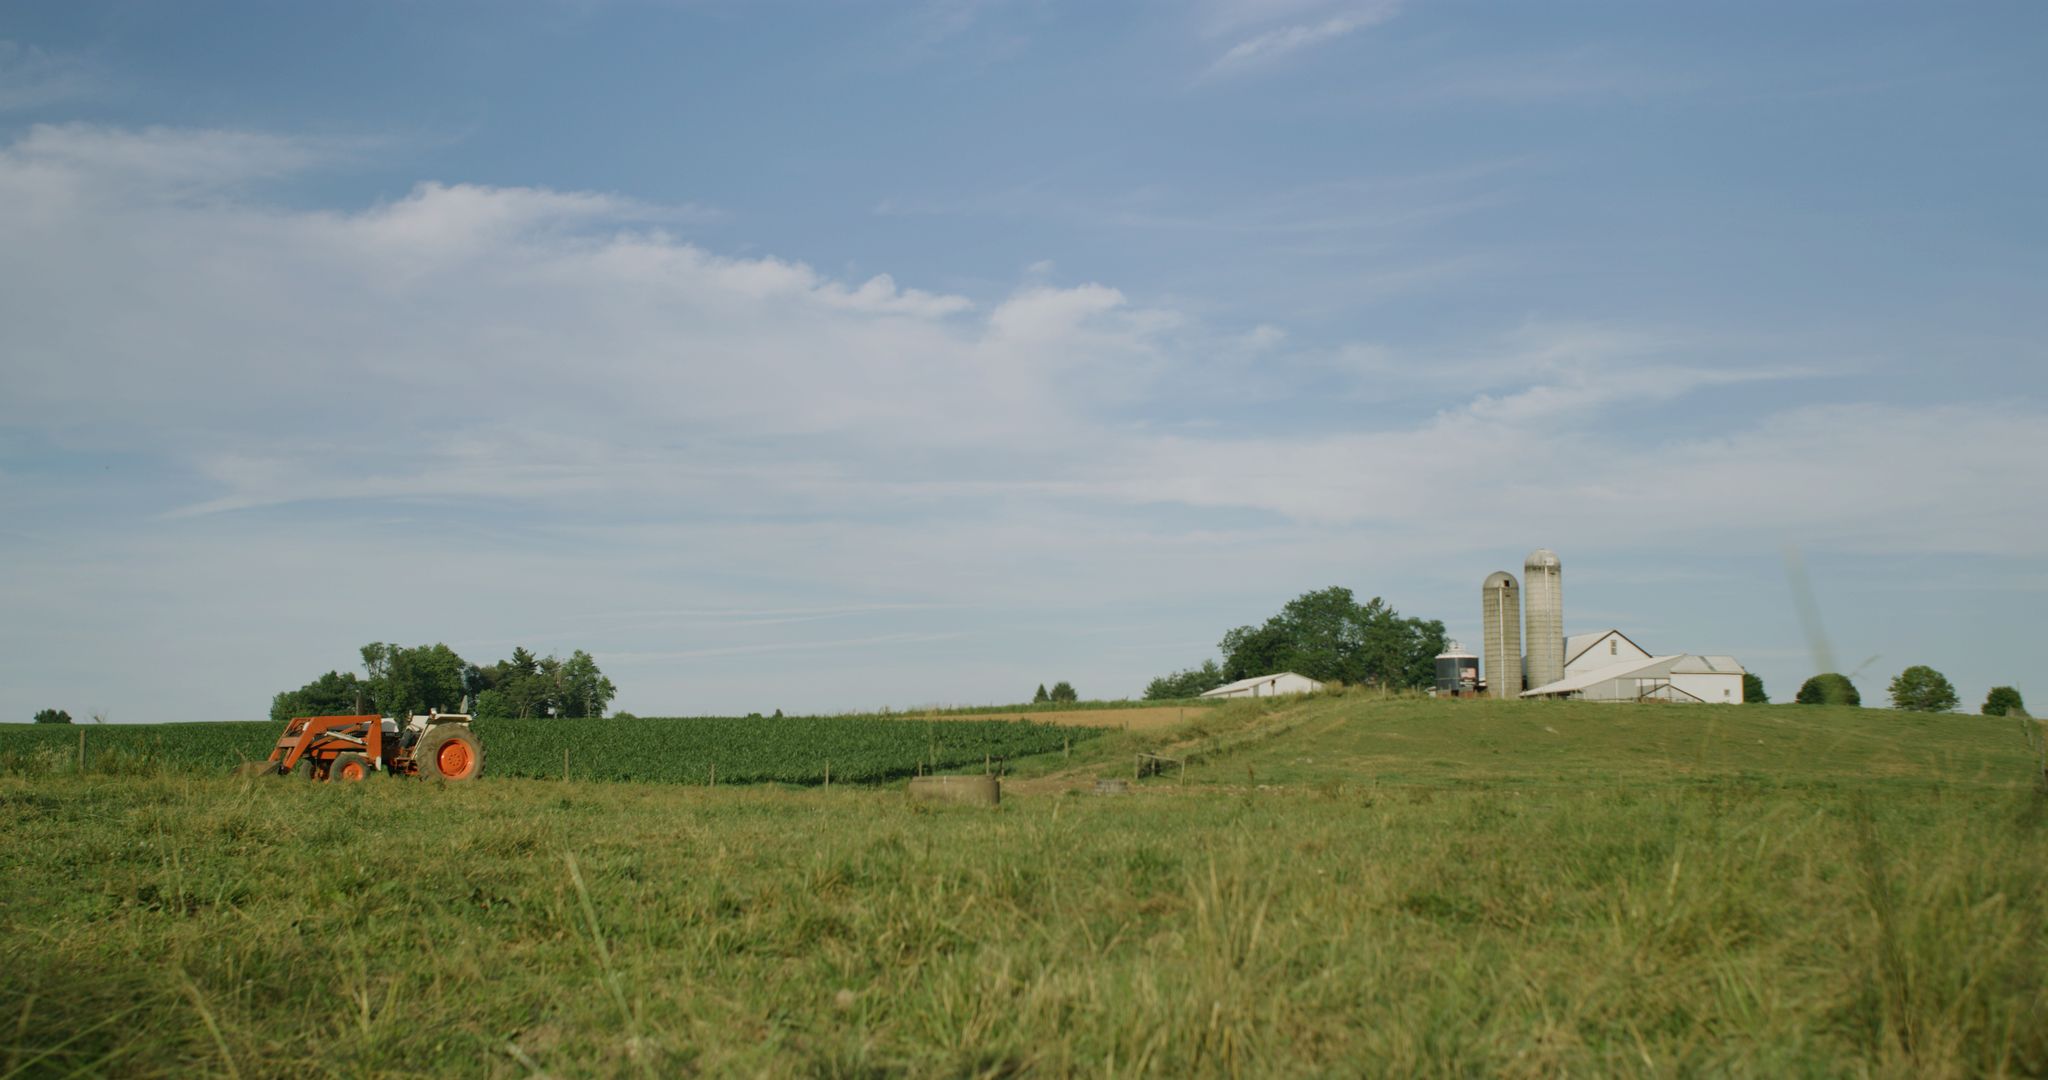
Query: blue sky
(819, 356)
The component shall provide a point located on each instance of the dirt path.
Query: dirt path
(1122, 719)
(1082, 777)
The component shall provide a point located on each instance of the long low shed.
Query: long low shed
(1286, 682)
(1713, 680)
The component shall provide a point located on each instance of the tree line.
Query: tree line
(398, 680)
(1326, 635)
(1062, 691)
(1919, 688)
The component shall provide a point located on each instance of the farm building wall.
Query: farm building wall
(1712, 687)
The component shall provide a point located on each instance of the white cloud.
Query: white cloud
(85, 159)
(500, 412)
(1269, 46)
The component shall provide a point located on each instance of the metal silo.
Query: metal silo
(1502, 647)
(1543, 577)
(1457, 671)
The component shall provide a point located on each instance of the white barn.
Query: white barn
(1286, 682)
(1607, 666)
(1584, 652)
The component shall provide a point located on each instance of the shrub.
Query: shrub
(1828, 688)
(1753, 690)
(2004, 701)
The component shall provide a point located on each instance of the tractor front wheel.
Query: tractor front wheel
(306, 769)
(350, 768)
(449, 752)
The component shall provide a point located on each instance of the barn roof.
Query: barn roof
(1654, 667)
(1579, 643)
(1246, 684)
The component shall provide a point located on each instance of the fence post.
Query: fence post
(828, 776)
(565, 764)
(81, 751)
(714, 774)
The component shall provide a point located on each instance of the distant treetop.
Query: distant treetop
(2004, 701)
(1828, 688)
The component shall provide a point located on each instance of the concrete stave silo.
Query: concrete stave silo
(1543, 593)
(1501, 645)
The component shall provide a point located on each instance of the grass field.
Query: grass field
(1344, 886)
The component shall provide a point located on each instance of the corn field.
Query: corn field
(690, 750)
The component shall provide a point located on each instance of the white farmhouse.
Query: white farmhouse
(1607, 666)
(1286, 682)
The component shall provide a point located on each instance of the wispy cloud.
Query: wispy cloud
(33, 78)
(1268, 47)
(834, 644)
(492, 408)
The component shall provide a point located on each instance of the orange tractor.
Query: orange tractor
(439, 746)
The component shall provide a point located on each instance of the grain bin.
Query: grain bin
(1502, 644)
(1457, 671)
(1543, 578)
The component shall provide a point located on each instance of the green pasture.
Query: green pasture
(1344, 886)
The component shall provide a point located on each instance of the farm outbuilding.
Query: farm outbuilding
(1286, 682)
(1684, 678)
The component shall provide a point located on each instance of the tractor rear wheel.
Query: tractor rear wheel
(350, 768)
(449, 752)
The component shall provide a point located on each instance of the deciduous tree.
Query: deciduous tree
(413, 680)
(336, 693)
(1063, 691)
(400, 680)
(52, 716)
(1753, 690)
(1327, 634)
(1922, 689)
(1194, 682)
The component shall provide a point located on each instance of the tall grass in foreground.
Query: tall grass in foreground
(179, 926)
